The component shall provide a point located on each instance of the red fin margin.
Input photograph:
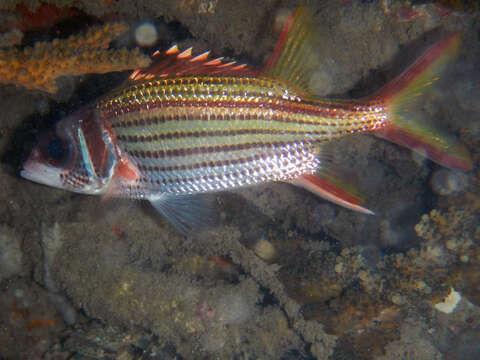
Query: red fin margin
(458, 159)
(406, 126)
(174, 62)
(329, 191)
(280, 42)
(443, 48)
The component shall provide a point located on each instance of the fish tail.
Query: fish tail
(406, 126)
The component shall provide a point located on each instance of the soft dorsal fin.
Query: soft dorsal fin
(294, 59)
(174, 62)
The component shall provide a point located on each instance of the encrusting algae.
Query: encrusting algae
(457, 235)
(39, 66)
(365, 303)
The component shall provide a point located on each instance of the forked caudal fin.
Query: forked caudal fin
(401, 96)
(294, 60)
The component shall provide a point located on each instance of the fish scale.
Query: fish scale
(197, 134)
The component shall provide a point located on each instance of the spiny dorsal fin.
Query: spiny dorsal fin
(174, 62)
(294, 59)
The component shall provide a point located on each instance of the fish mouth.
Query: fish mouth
(41, 173)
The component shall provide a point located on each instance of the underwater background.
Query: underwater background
(283, 274)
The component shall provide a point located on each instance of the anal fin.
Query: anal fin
(332, 190)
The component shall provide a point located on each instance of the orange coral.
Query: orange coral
(38, 67)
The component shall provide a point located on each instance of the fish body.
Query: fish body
(199, 134)
(190, 125)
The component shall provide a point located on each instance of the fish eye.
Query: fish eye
(55, 151)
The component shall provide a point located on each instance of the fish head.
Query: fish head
(77, 155)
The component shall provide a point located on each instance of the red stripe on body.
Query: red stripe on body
(329, 111)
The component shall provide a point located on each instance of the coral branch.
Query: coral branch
(38, 67)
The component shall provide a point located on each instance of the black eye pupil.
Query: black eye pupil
(56, 149)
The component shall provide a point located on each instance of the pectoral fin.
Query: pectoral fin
(187, 213)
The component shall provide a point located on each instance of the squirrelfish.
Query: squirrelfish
(191, 124)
